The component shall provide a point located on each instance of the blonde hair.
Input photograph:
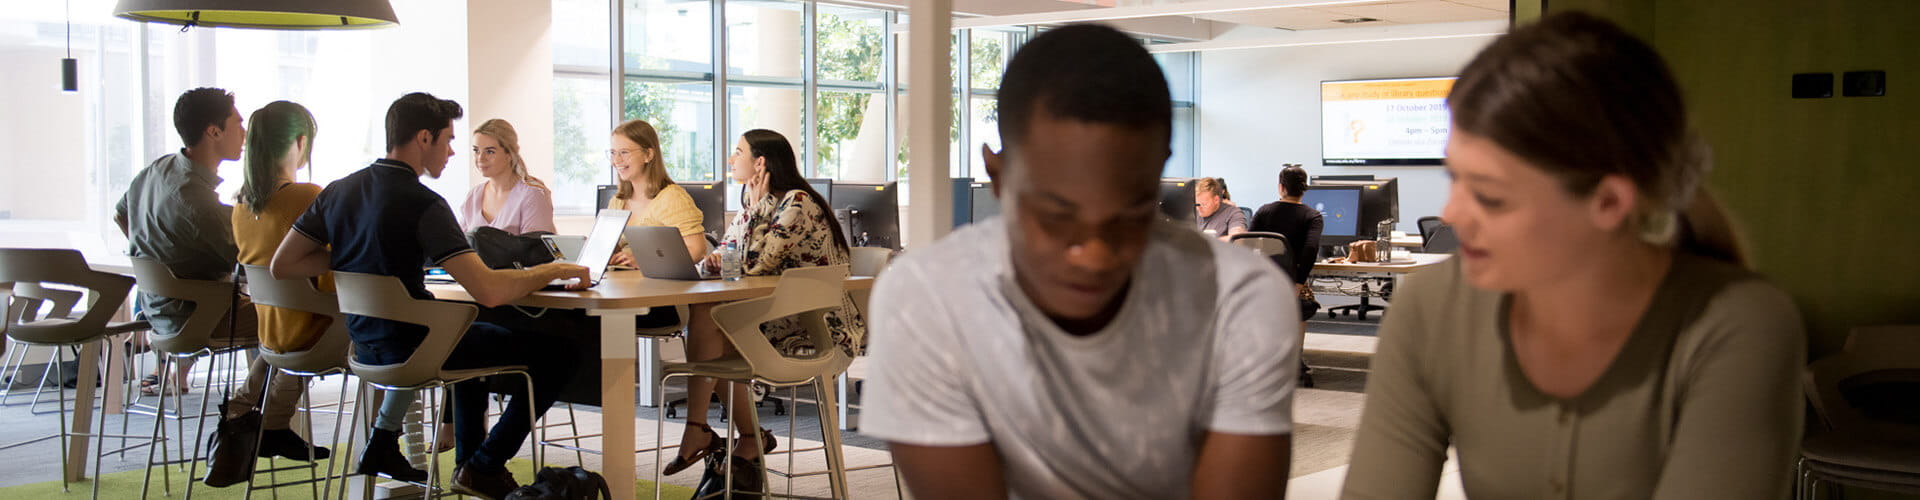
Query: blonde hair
(654, 174)
(509, 140)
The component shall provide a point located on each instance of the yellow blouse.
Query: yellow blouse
(672, 207)
(258, 235)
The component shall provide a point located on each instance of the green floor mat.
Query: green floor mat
(126, 484)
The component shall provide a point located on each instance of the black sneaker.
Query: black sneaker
(287, 444)
(495, 486)
(383, 458)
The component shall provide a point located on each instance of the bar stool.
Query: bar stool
(809, 293)
(327, 356)
(60, 329)
(33, 298)
(212, 304)
(383, 297)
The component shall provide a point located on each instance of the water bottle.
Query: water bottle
(730, 261)
(1383, 238)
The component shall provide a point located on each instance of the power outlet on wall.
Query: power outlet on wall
(1812, 85)
(1864, 84)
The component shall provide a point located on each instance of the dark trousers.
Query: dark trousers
(547, 358)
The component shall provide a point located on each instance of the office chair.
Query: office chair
(1427, 225)
(1441, 240)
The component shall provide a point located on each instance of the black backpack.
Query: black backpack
(572, 483)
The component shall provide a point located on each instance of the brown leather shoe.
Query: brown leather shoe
(467, 481)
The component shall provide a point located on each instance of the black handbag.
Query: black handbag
(572, 483)
(503, 250)
(231, 451)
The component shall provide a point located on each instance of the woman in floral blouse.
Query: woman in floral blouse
(783, 224)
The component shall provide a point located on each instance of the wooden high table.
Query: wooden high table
(619, 297)
(1365, 273)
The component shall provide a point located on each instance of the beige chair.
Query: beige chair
(809, 293)
(1854, 447)
(199, 336)
(383, 297)
(27, 270)
(32, 302)
(326, 357)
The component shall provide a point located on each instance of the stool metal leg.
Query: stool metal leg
(830, 432)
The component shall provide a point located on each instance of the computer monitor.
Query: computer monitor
(603, 195)
(868, 212)
(1176, 200)
(1339, 208)
(711, 199)
(823, 186)
(985, 204)
(1342, 177)
(1379, 200)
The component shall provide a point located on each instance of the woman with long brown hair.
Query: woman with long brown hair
(783, 224)
(1598, 334)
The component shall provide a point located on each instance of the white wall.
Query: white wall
(510, 76)
(1260, 108)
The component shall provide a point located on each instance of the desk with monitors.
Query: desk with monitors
(869, 213)
(1351, 209)
(973, 201)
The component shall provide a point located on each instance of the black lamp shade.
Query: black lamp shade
(70, 74)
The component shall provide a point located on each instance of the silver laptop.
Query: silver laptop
(661, 253)
(599, 247)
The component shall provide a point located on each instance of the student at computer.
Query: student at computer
(382, 220)
(1599, 334)
(1079, 346)
(510, 199)
(1214, 210)
(171, 214)
(1301, 225)
(783, 224)
(644, 188)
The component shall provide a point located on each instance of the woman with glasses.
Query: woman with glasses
(510, 199)
(645, 189)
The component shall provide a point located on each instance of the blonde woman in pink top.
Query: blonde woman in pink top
(510, 199)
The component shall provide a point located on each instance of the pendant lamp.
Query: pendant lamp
(262, 14)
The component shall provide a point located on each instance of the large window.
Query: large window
(85, 147)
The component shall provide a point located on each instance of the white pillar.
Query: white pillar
(929, 99)
(510, 76)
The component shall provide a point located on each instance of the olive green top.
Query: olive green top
(1703, 400)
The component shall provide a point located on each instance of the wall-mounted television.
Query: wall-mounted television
(1401, 121)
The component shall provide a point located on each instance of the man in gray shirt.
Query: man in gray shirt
(170, 213)
(1080, 347)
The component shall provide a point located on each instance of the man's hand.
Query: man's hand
(560, 270)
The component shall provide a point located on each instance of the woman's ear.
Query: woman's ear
(1613, 202)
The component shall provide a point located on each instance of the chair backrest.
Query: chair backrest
(809, 293)
(212, 301)
(1874, 354)
(1427, 225)
(1248, 213)
(23, 271)
(1442, 240)
(383, 297)
(1268, 244)
(300, 295)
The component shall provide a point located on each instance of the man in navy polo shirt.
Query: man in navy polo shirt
(382, 220)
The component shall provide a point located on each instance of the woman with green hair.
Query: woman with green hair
(279, 142)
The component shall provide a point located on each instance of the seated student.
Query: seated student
(1214, 209)
(644, 189)
(1079, 346)
(1598, 334)
(170, 213)
(783, 224)
(382, 220)
(510, 199)
(1301, 225)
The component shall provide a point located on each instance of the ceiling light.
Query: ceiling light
(262, 14)
(1356, 20)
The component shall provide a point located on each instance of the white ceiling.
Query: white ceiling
(1395, 12)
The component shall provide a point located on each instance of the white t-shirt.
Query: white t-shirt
(960, 356)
